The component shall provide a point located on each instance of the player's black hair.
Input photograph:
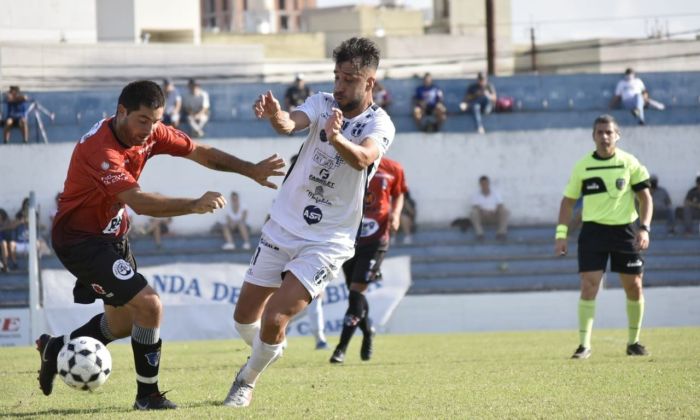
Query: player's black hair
(142, 92)
(483, 178)
(606, 119)
(362, 52)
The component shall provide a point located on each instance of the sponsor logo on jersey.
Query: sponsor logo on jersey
(357, 129)
(320, 276)
(620, 183)
(114, 224)
(110, 179)
(322, 178)
(326, 161)
(312, 215)
(317, 196)
(369, 227)
(322, 136)
(104, 166)
(385, 141)
(592, 186)
(122, 270)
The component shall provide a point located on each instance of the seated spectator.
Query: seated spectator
(20, 244)
(408, 218)
(691, 208)
(427, 103)
(663, 210)
(296, 94)
(173, 104)
(16, 106)
(487, 207)
(158, 227)
(479, 99)
(9, 261)
(381, 96)
(236, 216)
(631, 94)
(195, 105)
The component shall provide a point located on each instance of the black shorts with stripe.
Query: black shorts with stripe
(104, 269)
(365, 266)
(597, 243)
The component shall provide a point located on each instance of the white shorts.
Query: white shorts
(315, 264)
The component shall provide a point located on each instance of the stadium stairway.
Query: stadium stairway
(443, 261)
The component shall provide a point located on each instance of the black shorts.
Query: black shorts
(597, 242)
(365, 266)
(104, 270)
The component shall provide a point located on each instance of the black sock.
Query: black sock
(353, 316)
(94, 328)
(365, 324)
(147, 363)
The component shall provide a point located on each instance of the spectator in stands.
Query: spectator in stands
(16, 106)
(427, 103)
(196, 106)
(236, 216)
(297, 93)
(158, 227)
(488, 207)
(662, 205)
(408, 218)
(173, 104)
(20, 244)
(9, 261)
(381, 96)
(631, 93)
(691, 207)
(479, 99)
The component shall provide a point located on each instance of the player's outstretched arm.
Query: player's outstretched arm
(267, 106)
(566, 208)
(158, 205)
(358, 156)
(216, 159)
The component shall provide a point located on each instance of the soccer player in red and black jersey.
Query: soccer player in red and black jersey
(90, 226)
(381, 215)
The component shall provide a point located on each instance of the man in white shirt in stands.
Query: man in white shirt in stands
(487, 207)
(316, 216)
(195, 103)
(631, 93)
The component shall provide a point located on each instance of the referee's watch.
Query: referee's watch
(645, 227)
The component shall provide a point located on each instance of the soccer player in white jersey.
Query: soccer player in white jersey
(316, 217)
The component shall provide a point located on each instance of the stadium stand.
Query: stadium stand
(442, 261)
(541, 102)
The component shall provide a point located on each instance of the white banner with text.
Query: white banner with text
(198, 299)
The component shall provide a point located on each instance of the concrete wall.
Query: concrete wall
(296, 46)
(167, 20)
(529, 168)
(48, 21)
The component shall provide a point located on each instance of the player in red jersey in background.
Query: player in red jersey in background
(90, 226)
(381, 215)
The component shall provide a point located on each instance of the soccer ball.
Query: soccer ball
(84, 363)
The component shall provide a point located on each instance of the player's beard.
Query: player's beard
(350, 106)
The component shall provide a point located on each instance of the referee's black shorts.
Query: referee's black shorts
(597, 242)
(104, 269)
(364, 267)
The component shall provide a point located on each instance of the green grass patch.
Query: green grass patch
(473, 375)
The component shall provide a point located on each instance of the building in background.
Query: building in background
(146, 21)
(254, 16)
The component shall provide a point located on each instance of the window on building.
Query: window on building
(226, 5)
(245, 4)
(446, 9)
(284, 23)
(212, 6)
(282, 4)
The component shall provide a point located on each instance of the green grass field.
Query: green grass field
(478, 375)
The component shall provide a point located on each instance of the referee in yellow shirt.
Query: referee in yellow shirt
(609, 179)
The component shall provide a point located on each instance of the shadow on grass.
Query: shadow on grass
(65, 412)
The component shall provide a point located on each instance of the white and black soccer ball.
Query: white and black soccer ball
(84, 363)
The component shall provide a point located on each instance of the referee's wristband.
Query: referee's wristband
(561, 232)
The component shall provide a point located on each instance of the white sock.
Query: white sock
(263, 356)
(315, 313)
(248, 331)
